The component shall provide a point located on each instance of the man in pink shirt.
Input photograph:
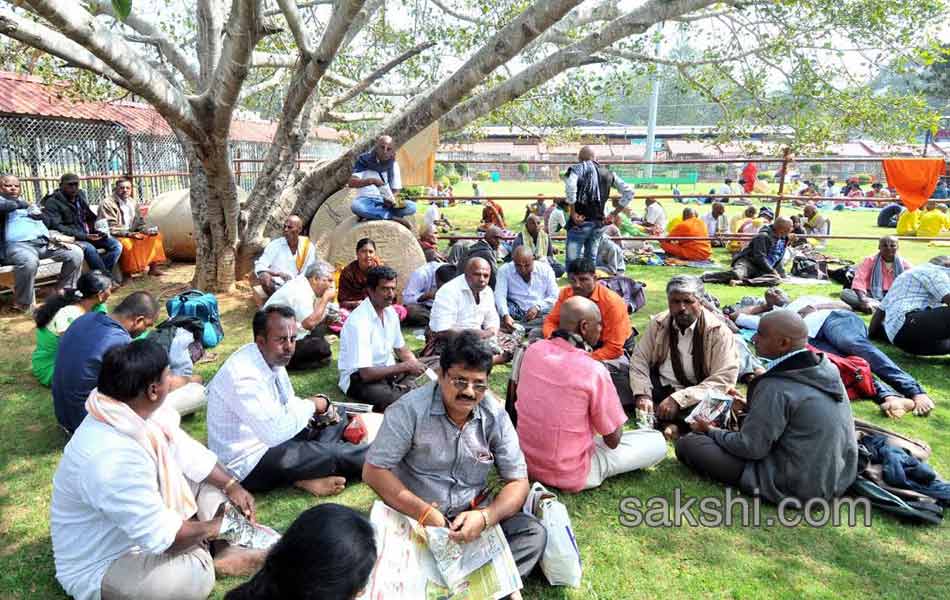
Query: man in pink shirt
(874, 276)
(566, 402)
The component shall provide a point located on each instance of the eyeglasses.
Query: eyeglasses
(461, 384)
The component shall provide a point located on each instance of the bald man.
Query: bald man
(690, 227)
(526, 290)
(570, 420)
(468, 302)
(874, 276)
(377, 180)
(760, 262)
(285, 257)
(587, 190)
(487, 249)
(798, 440)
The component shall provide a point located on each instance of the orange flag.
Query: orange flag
(914, 178)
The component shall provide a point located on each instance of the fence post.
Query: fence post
(781, 182)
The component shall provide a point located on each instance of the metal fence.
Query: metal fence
(39, 150)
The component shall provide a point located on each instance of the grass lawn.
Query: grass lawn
(888, 559)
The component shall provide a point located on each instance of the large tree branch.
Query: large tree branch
(292, 15)
(361, 86)
(353, 117)
(371, 90)
(299, 5)
(170, 49)
(34, 35)
(271, 82)
(244, 30)
(210, 26)
(142, 79)
(361, 19)
(636, 21)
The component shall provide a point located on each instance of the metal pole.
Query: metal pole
(781, 182)
(654, 104)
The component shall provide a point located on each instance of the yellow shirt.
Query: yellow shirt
(932, 223)
(908, 222)
(673, 223)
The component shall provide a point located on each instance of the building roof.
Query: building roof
(30, 96)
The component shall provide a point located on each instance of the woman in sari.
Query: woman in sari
(351, 289)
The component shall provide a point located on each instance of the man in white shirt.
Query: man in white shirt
(655, 217)
(467, 302)
(434, 218)
(135, 498)
(421, 288)
(716, 222)
(265, 434)
(285, 257)
(308, 295)
(368, 369)
(526, 290)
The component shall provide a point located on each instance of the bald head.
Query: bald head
(292, 228)
(780, 332)
(586, 153)
(477, 274)
(384, 148)
(689, 213)
(941, 261)
(493, 236)
(581, 316)
(810, 210)
(782, 226)
(10, 186)
(522, 252)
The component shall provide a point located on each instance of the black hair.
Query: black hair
(88, 286)
(581, 265)
(445, 274)
(377, 274)
(127, 370)
(466, 349)
(365, 242)
(137, 304)
(327, 553)
(259, 323)
(66, 177)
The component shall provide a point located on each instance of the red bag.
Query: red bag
(355, 431)
(855, 374)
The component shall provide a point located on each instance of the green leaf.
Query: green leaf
(122, 8)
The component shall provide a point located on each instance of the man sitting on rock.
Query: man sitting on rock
(571, 427)
(285, 257)
(685, 354)
(376, 176)
(368, 370)
(798, 440)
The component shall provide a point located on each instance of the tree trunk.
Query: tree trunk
(214, 208)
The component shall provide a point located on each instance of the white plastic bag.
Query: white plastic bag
(561, 561)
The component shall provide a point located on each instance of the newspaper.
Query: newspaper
(713, 408)
(236, 529)
(456, 561)
(407, 568)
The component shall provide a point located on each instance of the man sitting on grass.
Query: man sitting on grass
(690, 227)
(759, 263)
(265, 434)
(308, 295)
(798, 440)
(526, 290)
(560, 417)
(420, 291)
(874, 276)
(437, 445)
(368, 371)
(686, 353)
(79, 360)
(135, 498)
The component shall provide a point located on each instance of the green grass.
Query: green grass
(889, 559)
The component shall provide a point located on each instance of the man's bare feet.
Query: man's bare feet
(325, 486)
(896, 407)
(234, 561)
(923, 405)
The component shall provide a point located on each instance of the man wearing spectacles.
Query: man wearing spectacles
(68, 212)
(437, 445)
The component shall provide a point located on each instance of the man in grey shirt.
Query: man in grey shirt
(438, 443)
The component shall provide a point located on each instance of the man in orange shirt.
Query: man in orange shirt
(616, 323)
(690, 226)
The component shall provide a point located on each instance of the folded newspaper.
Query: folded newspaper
(236, 529)
(418, 562)
(713, 408)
